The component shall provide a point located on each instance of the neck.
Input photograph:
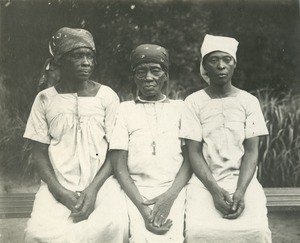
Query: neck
(68, 86)
(157, 97)
(221, 90)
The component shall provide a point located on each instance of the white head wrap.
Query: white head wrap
(213, 43)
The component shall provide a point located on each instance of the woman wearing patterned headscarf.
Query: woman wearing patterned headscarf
(148, 158)
(70, 126)
(222, 125)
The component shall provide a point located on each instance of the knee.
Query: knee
(30, 236)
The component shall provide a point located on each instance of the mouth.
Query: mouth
(222, 75)
(84, 72)
(150, 87)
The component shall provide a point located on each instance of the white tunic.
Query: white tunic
(222, 125)
(137, 126)
(77, 130)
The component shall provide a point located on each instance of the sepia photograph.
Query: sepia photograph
(149, 121)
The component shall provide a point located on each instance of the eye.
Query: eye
(213, 60)
(90, 57)
(156, 71)
(76, 55)
(140, 73)
(227, 59)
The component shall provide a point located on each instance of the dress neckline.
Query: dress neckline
(233, 96)
(75, 94)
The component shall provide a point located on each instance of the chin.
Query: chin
(80, 80)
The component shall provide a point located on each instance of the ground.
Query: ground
(284, 226)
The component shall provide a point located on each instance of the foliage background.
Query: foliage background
(268, 63)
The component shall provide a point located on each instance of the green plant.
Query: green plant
(279, 158)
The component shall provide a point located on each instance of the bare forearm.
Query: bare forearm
(119, 163)
(104, 172)
(45, 168)
(202, 171)
(248, 165)
(183, 175)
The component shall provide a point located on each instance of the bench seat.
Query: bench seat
(19, 205)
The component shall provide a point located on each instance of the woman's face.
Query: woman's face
(78, 64)
(219, 67)
(150, 79)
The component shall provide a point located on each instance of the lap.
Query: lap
(138, 232)
(202, 218)
(50, 219)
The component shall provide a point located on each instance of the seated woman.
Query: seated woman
(222, 125)
(147, 155)
(70, 125)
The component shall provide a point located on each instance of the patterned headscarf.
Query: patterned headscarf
(63, 41)
(146, 53)
(213, 43)
(67, 39)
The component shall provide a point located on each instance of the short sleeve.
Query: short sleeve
(190, 126)
(111, 108)
(120, 137)
(37, 126)
(255, 122)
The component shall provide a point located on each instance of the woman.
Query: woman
(70, 126)
(222, 125)
(148, 158)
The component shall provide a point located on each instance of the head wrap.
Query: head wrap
(67, 39)
(150, 53)
(63, 41)
(213, 43)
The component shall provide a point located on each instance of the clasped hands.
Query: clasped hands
(230, 207)
(81, 204)
(156, 220)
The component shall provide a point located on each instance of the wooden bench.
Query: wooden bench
(283, 199)
(16, 205)
(19, 205)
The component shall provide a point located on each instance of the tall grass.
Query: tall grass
(279, 157)
(15, 154)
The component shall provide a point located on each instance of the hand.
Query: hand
(67, 198)
(85, 205)
(222, 201)
(161, 209)
(147, 212)
(237, 207)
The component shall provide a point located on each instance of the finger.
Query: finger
(235, 214)
(160, 231)
(156, 219)
(235, 204)
(78, 219)
(156, 213)
(76, 214)
(225, 207)
(168, 223)
(228, 198)
(80, 201)
(149, 202)
(161, 220)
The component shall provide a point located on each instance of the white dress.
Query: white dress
(222, 125)
(136, 128)
(77, 130)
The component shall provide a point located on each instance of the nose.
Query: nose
(149, 76)
(221, 64)
(86, 61)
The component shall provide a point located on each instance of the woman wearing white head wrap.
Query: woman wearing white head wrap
(222, 125)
